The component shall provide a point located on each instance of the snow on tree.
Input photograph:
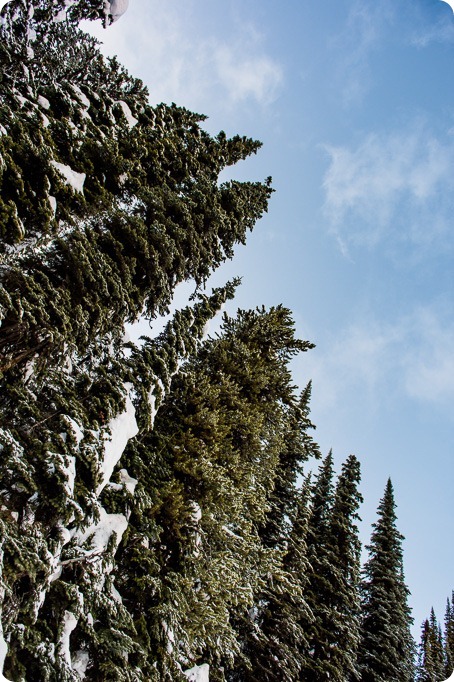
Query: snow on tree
(151, 524)
(106, 205)
(194, 556)
(386, 649)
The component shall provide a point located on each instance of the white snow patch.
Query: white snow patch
(39, 602)
(3, 652)
(196, 511)
(115, 594)
(132, 120)
(117, 9)
(199, 673)
(70, 472)
(128, 482)
(80, 663)
(152, 399)
(54, 559)
(75, 428)
(69, 623)
(81, 96)
(30, 368)
(73, 178)
(65, 534)
(43, 102)
(231, 533)
(53, 204)
(101, 532)
(122, 428)
(22, 100)
(61, 15)
(170, 637)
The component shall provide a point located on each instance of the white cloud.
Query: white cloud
(396, 186)
(373, 362)
(182, 61)
(429, 368)
(247, 76)
(353, 47)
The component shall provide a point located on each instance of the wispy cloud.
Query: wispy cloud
(182, 61)
(373, 360)
(354, 46)
(434, 27)
(253, 76)
(395, 186)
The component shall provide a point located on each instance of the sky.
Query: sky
(354, 103)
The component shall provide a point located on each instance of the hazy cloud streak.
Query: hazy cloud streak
(394, 186)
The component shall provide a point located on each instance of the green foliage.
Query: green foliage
(333, 576)
(431, 663)
(206, 472)
(449, 637)
(151, 213)
(387, 649)
(151, 513)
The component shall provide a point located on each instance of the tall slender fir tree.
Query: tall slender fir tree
(386, 650)
(449, 636)
(333, 575)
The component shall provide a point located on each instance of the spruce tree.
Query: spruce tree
(431, 663)
(274, 637)
(333, 576)
(106, 202)
(106, 205)
(314, 621)
(386, 649)
(194, 561)
(449, 637)
(342, 627)
(276, 650)
(285, 497)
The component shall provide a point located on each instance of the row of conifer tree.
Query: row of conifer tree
(156, 512)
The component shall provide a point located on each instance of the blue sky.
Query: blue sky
(354, 103)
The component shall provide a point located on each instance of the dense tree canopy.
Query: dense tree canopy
(156, 513)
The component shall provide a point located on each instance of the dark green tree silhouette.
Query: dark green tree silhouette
(431, 663)
(386, 649)
(449, 637)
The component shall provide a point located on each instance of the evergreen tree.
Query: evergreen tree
(386, 650)
(314, 621)
(344, 551)
(332, 584)
(106, 205)
(273, 637)
(299, 446)
(449, 637)
(276, 651)
(194, 558)
(431, 663)
(70, 576)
